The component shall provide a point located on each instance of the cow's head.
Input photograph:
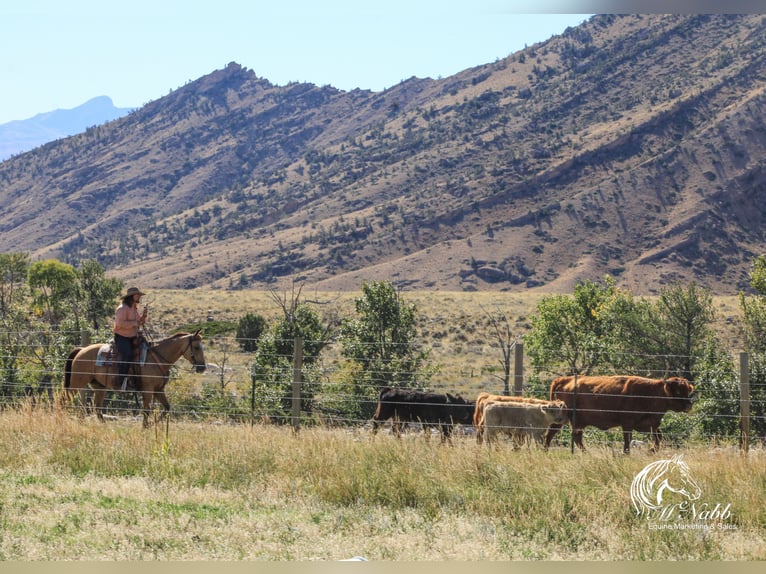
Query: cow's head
(681, 392)
(557, 411)
(456, 399)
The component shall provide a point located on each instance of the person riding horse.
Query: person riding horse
(127, 321)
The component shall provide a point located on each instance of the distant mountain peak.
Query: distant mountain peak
(23, 135)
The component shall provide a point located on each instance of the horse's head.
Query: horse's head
(195, 352)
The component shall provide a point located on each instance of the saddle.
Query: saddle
(107, 354)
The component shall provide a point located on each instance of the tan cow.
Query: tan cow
(522, 421)
(485, 398)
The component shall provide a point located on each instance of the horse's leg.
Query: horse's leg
(163, 399)
(98, 402)
(148, 397)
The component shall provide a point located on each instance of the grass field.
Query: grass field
(73, 489)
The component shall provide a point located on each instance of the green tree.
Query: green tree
(53, 285)
(249, 330)
(754, 321)
(14, 317)
(575, 334)
(273, 361)
(97, 293)
(381, 343)
(667, 336)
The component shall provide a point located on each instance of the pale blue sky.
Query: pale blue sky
(58, 54)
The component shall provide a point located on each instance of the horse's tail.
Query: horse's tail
(68, 367)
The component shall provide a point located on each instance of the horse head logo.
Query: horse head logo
(658, 479)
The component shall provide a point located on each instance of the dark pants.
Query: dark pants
(125, 349)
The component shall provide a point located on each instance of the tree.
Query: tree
(273, 362)
(380, 342)
(97, 293)
(13, 317)
(249, 330)
(503, 333)
(666, 337)
(686, 314)
(754, 318)
(754, 307)
(575, 334)
(53, 285)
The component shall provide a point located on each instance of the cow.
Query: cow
(522, 420)
(631, 402)
(485, 398)
(430, 409)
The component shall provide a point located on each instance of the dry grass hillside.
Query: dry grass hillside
(632, 145)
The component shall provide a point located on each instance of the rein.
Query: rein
(165, 362)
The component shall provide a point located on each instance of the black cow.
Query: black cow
(429, 409)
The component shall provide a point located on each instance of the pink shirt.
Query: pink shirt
(126, 321)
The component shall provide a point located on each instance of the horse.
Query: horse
(658, 478)
(83, 370)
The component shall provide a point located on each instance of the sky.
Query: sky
(58, 54)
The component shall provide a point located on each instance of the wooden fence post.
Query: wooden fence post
(574, 415)
(297, 378)
(744, 402)
(518, 368)
(253, 376)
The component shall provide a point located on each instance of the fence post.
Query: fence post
(574, 415)
(297, 375)
(744, 402)
(518, 368)
(252, 394)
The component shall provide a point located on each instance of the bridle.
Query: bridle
(165, 363)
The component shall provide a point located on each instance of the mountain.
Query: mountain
(23, 135)
(631, 145)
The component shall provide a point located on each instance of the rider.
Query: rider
(127, 321)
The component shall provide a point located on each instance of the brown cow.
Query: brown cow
(522, 420)
(484, 398)
(633, 403)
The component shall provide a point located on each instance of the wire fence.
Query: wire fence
(324, 390)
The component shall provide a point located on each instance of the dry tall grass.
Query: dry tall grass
(73, 489)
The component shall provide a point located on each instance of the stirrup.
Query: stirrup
(124, 384)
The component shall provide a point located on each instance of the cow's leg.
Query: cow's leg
(657, 435)
(396, 427)
(550, 433)
(577, 437)
(627, 436)
(490, 431)
(515, 438)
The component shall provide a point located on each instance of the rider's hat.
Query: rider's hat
(133, 291)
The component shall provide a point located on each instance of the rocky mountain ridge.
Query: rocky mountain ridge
(630, 145)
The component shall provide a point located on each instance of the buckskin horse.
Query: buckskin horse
(83, 370)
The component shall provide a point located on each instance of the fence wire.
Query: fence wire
(234, 389)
